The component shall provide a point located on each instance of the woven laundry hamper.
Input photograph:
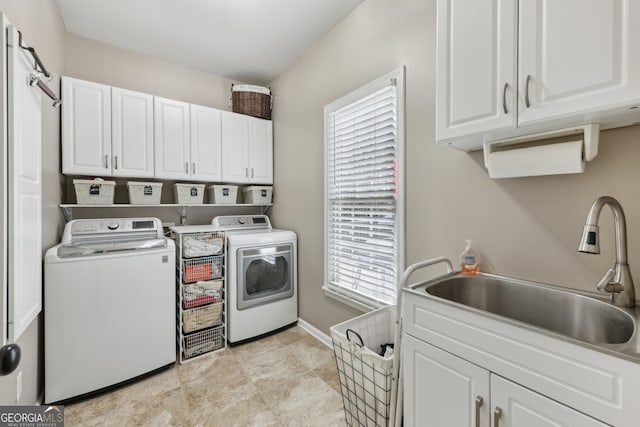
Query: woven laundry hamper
(251, 100)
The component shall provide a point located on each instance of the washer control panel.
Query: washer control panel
(122, 227)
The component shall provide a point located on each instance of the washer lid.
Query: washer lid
(87, 248)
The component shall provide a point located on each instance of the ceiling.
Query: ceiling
(251, 41)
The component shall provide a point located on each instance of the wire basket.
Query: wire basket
(205, 268)
(201, 244)
(365, 376)
(201, 317)
(201, 293)
(203, 342)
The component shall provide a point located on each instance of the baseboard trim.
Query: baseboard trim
(315, 332)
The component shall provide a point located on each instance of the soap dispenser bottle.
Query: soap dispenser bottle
(469, 260)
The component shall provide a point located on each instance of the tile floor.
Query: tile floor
(287, 379)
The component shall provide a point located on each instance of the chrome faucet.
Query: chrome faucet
(617, 281)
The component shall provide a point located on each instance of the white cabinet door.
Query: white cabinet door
(171, 138)
(206, 148)
(476, 67)
(260, 151)
(24, 187)
(577, 56)
(520, 407)
(441, 389)
(235, 147)
(86, 128)
(247, 149)
(132, 133)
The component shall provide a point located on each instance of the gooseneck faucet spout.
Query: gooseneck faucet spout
(617, 281)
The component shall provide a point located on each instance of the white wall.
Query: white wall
(525, 227)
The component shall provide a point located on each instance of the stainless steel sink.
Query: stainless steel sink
(554, 309)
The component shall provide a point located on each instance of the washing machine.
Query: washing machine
(262, 282)
(109, 305)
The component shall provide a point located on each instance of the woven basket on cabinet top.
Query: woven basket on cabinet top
(251, 100)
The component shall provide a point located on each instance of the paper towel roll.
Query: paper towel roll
(550, 159)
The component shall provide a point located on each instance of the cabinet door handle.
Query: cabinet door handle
(526, 91)
(251, 172)
(186, 167)
(497, 413)
(479, 402)
(246, 172)
(193, 169)
(106, 161)
(504, 98)
(115, 162)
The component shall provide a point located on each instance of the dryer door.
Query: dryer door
(265, 274)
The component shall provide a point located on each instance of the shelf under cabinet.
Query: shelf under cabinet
(67, 208)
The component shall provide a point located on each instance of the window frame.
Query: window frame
(344, 295)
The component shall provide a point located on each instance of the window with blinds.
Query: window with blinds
(363, 217)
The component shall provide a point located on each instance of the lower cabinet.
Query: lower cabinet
(441, 389)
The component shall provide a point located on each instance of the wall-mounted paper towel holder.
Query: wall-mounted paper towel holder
(523, 156)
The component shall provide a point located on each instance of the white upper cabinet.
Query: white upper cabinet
(187, 141)
(86, 128)
(577, 56)
(247, 149)
(511, 67)
(106, 131)
(206, 144)
(131, 133)
(235, 147)
(171, 134)
(476, 67)
(260, 151)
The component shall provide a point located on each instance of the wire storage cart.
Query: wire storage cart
(200, 290)
(365, 373)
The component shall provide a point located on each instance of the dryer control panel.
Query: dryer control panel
(242, 222)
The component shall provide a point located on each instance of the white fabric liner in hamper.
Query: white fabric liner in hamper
(365, 376)
(251, 88)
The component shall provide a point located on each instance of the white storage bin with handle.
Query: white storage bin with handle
(144, 193)
(94, 191)
(257, 194)
(188, 194)
(221, 194)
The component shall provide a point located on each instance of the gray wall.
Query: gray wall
(42, 27)
(525, 227)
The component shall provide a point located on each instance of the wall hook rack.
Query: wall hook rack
(35, 80)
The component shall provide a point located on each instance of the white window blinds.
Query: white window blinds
(362, 187)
